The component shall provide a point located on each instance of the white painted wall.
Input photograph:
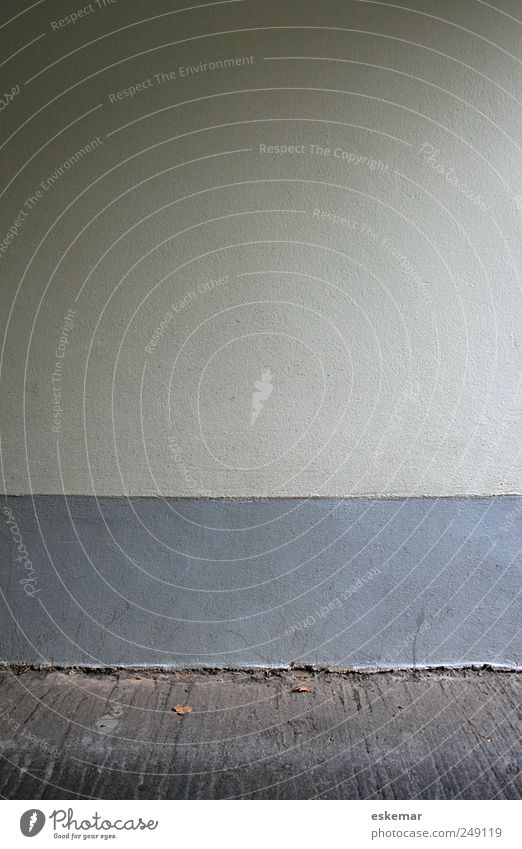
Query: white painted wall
(375, 286)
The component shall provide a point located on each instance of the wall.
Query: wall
(259, 251)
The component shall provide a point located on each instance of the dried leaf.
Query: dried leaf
(301, 688)
(182, 709)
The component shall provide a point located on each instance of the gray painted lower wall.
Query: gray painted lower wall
(191, 582)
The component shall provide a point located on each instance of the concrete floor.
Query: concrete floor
(427, 735)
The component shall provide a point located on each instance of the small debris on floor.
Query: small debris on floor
(343, 737)
(182, 709)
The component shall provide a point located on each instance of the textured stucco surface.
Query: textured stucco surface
(191, 582)
(370, 274)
